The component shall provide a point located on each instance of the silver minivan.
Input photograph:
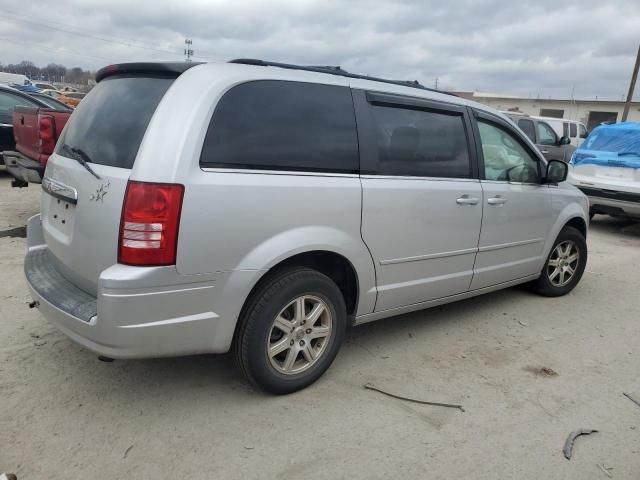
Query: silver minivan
(262, 208)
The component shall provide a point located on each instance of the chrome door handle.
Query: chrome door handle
(467, 200)
(497, 200)
(544, 151)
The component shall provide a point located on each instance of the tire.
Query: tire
(272, 321)
(549, 283)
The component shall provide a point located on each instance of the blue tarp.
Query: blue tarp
(616, 145)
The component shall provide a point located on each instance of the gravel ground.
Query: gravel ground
(528, 370)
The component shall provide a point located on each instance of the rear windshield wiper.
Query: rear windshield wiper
(81, 157)
(635, 154)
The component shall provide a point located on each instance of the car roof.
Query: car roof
(15, 91)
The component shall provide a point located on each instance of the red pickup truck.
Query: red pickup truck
(36, 130)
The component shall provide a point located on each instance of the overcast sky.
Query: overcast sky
(537, 48)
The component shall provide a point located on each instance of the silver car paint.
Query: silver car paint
(236, 225)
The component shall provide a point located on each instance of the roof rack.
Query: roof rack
(335, 70)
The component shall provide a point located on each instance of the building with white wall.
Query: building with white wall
(589, 112)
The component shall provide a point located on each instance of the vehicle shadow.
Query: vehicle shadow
(608, 224)
(202, 376)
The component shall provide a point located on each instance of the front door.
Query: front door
(548, 142)
(421, 203)
(516, 207)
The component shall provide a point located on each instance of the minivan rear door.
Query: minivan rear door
(421, 200)
(86, 178)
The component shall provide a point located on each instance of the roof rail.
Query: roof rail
(335, 70)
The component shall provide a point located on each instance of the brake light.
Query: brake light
(47, 134)
(149, 224)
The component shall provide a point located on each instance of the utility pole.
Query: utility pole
(188, 52)
(632, 87)
(435, 84)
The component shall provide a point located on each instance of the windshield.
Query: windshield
(614, 140)
(110, 122)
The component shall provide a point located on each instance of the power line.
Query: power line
(115, 40)
(58, 51)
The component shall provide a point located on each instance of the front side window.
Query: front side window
(421, 143)
(505, 159)
(583, 131)
(282, 125)
(527, 127)
(546, 135)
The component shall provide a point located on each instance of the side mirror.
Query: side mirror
(584, 135)
(557, 171)
(564, 141)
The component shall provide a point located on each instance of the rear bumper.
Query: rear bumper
(22, 168)
(612, 201)
(137, 313)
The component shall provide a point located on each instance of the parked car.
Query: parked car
(51, 102)
(551, 145)
(10, 98)
(44, 86)
(261, 208)
(35, 130)
(575, 131)
(607, 169)
(62, 96)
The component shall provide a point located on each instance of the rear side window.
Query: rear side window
(281, 125)
(110, 122)
(573, 129)
(421, 143)
(528, 128)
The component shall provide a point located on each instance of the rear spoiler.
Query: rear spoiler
(169, 69)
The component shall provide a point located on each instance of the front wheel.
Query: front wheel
(290, 330)
(565, 264)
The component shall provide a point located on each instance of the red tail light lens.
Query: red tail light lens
(47, 134)
(149, 224)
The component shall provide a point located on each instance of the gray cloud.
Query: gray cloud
(544, 48)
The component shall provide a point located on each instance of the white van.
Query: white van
(576, 131)
(14, 79)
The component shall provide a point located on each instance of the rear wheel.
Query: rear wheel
(565, 264)
(290, 330)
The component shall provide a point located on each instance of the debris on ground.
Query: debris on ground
(126, 452)
(542, 371)
(637, 402)
(568, 444)
(369, 386)
(605, 469)
(523, 323)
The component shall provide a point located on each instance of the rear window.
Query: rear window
(613, 140)
(282, 125)
(109, 124)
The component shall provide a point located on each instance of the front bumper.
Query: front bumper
(137, 312)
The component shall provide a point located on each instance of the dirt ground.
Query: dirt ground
(66, 415)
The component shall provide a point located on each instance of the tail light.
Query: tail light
(149, 224)
(47, 134)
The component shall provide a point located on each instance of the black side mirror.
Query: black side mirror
(557, 171)
(584, 135)
(564, 141)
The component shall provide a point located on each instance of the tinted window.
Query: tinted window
(52, 102)
(573, 129)
(565, 129)
(583, 131)
(110, 122)
(546, 135)
(9, 101)
(421, 143)
(528, 128)
(285, 126)
(505, 159)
